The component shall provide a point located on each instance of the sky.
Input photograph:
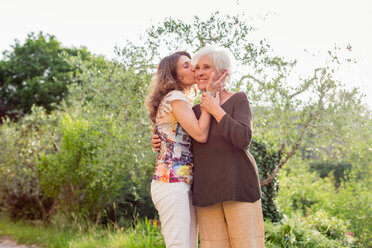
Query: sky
(295, 29)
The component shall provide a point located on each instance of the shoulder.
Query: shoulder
(175, 95)
(241, 101)
(240, 97)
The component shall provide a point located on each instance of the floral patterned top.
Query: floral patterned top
(174, 162)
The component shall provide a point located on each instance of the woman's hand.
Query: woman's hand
(155, 142)
(210, 103)
(217, 85)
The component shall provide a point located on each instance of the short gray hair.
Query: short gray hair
(220, 58)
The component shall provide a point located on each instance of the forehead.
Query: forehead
(205, 60)
(183, 59)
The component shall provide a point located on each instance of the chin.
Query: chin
(201, 86)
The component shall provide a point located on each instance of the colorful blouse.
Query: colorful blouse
(174, 162)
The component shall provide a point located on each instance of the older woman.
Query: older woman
(226, 190)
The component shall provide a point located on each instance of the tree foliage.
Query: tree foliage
(34, 73)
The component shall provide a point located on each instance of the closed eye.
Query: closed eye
(186, 65)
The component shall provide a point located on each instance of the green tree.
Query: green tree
(34, 73)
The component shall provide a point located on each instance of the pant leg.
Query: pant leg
(212, 227)
(193, 224)
(245, 224)
(173, 205)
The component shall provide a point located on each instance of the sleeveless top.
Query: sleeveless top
(174, 162)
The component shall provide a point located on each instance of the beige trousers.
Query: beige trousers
(231, 224)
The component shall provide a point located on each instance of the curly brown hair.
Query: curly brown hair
(164, 81)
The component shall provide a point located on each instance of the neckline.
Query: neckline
(228, 99)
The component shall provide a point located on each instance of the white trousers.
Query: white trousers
(177, 214)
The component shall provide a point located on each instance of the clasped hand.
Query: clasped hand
(210, 103)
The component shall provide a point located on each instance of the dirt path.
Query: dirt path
(7, 242)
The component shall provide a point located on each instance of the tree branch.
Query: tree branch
(291, 153)
(200, 38)
(56, 148)
(281, 150)
(252, 77)
(306, 85)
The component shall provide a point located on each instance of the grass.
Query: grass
(29, 234)
(142, 235)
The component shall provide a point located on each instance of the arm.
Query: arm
(235, 129)
(197, 129)
(156, 141)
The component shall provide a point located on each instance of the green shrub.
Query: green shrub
(352, 203)
(302, 190)
(331, 227)
(336, 169)
(294, 233)
(75, 175)
(111, 99)
(266, 158)
(21, 146)
(330, 211)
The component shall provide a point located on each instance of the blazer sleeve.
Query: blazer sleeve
(237, 129)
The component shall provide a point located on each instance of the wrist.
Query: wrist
(211, 93)
(218, 113)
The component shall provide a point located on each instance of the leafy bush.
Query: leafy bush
(111, 99)
(335, 169)
(330, 227)
(302, 191)
(352, 203)
(294, 233)
(330, 211)
(266, 159)
(75, 175)
(21, 144)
